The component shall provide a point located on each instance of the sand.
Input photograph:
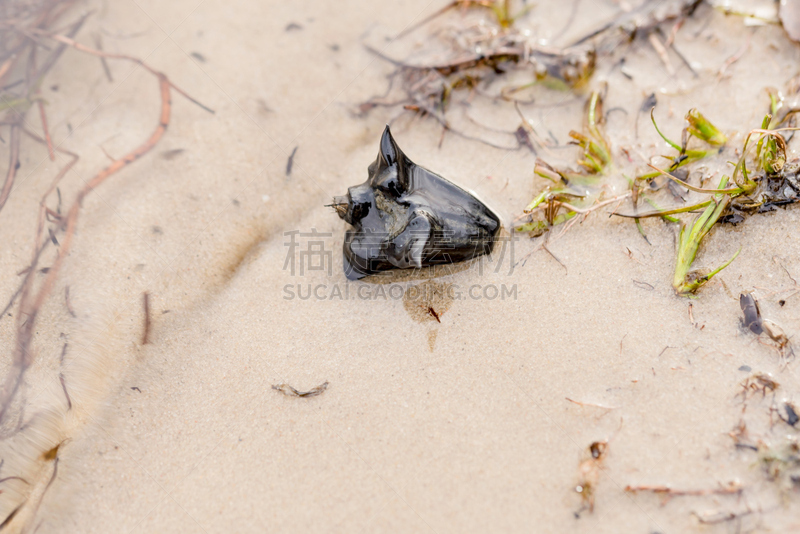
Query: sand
(462, 425)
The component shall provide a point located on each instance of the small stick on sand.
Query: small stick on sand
(289, 391)
(732, 488)
(593, 405)
(146, 306)
(68, 303)
(13, 164)
(290, 161)
(721, 517)
(46, 131)
(658, 46)
(66, 393)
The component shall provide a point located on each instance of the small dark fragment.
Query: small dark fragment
(597, 449)
(791, 415)
(290, 161)
(524, 139)
(134, 388)
(649, 103)
(752, 315)
(293, 26)
(678, 192)
(782, 302)
(169, 155)
(289, 391)
(733, 218)
(198, 56)
(745, 368)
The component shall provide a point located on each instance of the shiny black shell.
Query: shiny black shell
(405, 216)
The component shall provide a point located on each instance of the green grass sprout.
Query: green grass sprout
(686, 281)
(571, 186)
(701, 128)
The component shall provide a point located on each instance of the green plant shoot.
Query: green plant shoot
(685, 281)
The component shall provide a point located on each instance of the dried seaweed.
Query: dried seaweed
(478, 55)
(640, 21)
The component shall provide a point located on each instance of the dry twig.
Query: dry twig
(289, 391)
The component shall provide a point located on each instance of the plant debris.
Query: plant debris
(781, 463)
(289, 391)
(714, 518)
(731, 488)
(589, 474)
(478, 53)
(759, 382)
(475, 56)
(642, 20)
(772, 182)
(577, 192)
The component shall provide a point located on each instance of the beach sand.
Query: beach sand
(461, 424)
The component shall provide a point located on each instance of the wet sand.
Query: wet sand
(461, 424)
